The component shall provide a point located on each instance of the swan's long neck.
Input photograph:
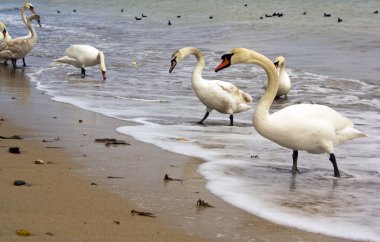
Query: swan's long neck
(33, 37)
(197, 73)
(262, 110)
(282, 71)
(24, 19)
(101, 61)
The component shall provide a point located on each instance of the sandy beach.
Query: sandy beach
(74, 195)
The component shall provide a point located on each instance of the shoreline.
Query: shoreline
(60, 191)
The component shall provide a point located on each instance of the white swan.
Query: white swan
(19, 47)
(284, 80)
(24, 19)
(314, 128)
(5, 35)
(219, 95)
(82, 56)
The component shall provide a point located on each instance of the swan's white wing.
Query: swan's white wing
(231, 89)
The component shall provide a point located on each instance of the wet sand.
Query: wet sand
(72, 197)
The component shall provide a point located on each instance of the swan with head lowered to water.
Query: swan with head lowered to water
(222, 96)
(284, 85)
(314, 128)
(82, 56)
(18, 48)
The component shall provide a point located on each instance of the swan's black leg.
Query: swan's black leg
(231, 120)
(82, 73)
(204, 118)
(23, 62)
(333, 161)
(295, 157)
(14, 63)
(5, 63)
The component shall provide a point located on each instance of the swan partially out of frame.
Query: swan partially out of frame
(82, 56)
(284, 85)
(314, 128)
(222, 96)
(19, 47)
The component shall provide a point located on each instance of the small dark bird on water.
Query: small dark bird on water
(144, 16)
(178, 16)
(340, 20)
(211, 17)
(122, 10)
(304, 13)
(169, 23)
(74, 10)
(58, 11)
(327, 15)
(376, 12)
(137, 18)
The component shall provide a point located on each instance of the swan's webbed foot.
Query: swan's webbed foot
(231, 120)
(333, 161)
(204, 118)
(82, 73)
(295, 157)
(23, 62)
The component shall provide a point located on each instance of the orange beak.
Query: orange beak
(225, 63)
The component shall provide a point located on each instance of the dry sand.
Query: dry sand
(70, 198)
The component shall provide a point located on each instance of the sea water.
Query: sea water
(329, 63)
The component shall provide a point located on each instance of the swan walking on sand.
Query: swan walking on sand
(18, 48)
(222, 96)
(314, 128)
(82, 56)
(284, 85)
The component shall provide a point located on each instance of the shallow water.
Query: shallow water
(329, 63)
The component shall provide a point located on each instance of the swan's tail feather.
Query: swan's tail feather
(65, 59)
(348, 134)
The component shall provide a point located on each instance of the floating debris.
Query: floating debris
(23, 232)
(11, 137)
(168, 178)
(39, 162)
(19, 182)
(255, 156)
(201, 203)
(55, 139)
(49, 233)
(14, 150)
(147, 214)
(111, 141)
(115, 177)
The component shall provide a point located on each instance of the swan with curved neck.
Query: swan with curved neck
(19, 47)
(284, 85)
(82, 56)
(222, 96)
(4, 36)
(314, 128)
(24, 7)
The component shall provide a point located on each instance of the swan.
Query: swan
(314, 128)
(82, 56)
(284, 85)
(19, 47)
(219, 95)
(24, 19)
(5, 35)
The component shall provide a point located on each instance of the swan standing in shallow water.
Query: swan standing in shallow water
(24, 19)
(18, 48)
(314, 128)
(284, 85)
(82, 56)
(222, 96)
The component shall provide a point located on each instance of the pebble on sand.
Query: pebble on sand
(19, 183)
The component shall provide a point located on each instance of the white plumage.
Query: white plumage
(222, 96)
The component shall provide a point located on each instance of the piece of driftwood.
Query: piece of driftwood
(11, 137)
(115, 177)
(201, 203)
(111, 141)
(147, 214)
(168, 178)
